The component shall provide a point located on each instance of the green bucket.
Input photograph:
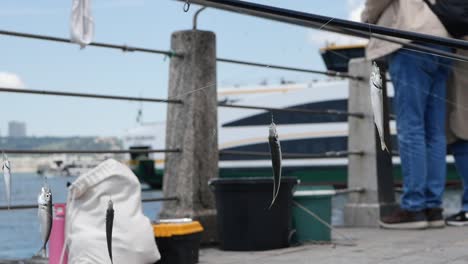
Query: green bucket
(318, 200)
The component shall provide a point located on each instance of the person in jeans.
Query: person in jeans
(457, 132)
(419, 82)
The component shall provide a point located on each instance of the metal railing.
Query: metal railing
(35, 206)
(328, 154)
(89, 95)
(77, 151)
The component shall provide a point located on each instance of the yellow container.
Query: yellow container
(176, 229)
(178, 240)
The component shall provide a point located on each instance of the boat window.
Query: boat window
(296, 118)
(297, 146)
(299, 118)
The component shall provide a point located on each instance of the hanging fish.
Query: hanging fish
(7, 178)
(109, 225)
(275, 151)
(81, 23)
(45, 218)
(375, 83)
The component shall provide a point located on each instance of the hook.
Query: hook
(195, 17)
(186, 6)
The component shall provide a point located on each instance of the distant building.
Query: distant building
(16, 129)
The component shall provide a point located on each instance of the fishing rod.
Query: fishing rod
(407, 45)
(295, 110)
(324, 22)
(328, 154)
(123, 48)
(76, 151)
(35, 206)
(89, 95)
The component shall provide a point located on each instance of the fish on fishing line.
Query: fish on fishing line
(44, 213)
(6, 167)
(275, 151)
(109, 226)
(376, 88)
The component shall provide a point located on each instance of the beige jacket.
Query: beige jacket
(410, 15)
(457, 101)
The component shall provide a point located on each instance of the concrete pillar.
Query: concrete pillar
(373, 170)
(192, 127)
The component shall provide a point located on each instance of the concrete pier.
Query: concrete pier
(372, 245)
(192, 127)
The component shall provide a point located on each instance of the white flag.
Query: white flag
(82, 23)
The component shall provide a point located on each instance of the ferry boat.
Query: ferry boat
(246, 130)
(67, 166)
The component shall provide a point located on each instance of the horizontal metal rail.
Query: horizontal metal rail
(328, 154)
(173, 101)
(272, 66)
(75, 151)
(35, 206)
(88, 95)
(170, 53)
(124, 48)
(324, 22)
(350, 190)
(295, 110)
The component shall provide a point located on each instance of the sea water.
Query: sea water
(19, 229)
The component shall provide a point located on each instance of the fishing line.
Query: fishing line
(429, 93)
(433, 54)
(458, 106)
(450, 66)
(178, 96)
(210, 85)
(322, 26)
(330, 227)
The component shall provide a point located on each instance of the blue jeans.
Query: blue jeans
(419, 81)
(460, 153)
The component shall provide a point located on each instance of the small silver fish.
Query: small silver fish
(45, 218)
(109, 225)
(275, 151)
(7, 178)
(375, 84)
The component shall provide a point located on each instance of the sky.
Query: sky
(43, 65)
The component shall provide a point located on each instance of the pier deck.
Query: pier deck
(447, 245)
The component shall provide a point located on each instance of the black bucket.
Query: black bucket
(245, 220)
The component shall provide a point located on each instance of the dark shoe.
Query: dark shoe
(459, 219)
(434, 217)
(402, 219)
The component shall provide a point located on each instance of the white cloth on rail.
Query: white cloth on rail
(81, 23)
(132, 237)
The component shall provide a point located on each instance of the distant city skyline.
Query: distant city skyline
(43, 65)
(16, 129)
